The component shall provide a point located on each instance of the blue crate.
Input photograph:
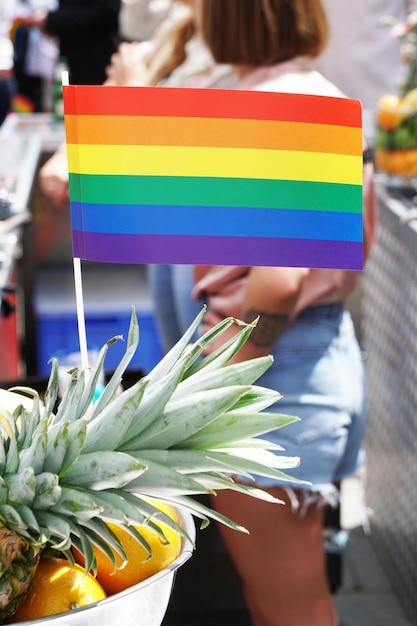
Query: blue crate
(59, 331)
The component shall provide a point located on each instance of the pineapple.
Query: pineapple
(191, 426)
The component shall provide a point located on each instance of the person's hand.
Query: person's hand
(127, 66)
(53, 178)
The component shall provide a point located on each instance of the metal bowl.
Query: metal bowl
(144, 604)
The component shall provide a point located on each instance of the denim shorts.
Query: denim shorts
(318, 369)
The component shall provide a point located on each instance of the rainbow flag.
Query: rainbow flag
(206, 176)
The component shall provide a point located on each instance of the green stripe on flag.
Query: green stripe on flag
(198, 191)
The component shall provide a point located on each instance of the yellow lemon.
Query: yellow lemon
(390, 112)
(58, 587)
(139, 565)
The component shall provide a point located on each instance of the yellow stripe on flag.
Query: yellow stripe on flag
(214, 162)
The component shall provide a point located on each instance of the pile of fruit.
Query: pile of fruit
(60, 586)
(99, 481)
(396, 139)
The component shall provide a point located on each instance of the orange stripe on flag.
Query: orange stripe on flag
(211, 132)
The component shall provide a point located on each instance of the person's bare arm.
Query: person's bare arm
(128, 66)
(53, 177)
(271, 294)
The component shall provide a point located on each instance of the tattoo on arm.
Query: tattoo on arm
(269, 327)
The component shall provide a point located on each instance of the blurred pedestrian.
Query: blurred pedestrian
(7, 80)
(88, 34)
(305, 324)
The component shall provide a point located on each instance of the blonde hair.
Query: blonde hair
(263, 32)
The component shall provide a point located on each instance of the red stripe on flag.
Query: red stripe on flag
(214, 103)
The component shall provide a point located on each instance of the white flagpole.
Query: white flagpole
(79, 299)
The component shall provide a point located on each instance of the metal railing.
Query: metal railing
(389, 327)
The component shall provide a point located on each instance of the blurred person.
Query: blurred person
(88, 34)
(7, 79)
(361, 57)
(139, 19)
(35, 57)
(125, 67)
(149, 62)
(305, 324)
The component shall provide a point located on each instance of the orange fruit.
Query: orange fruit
(409, 167)
(58, 587)
(139, 565)
(389, 112)
(397, 162)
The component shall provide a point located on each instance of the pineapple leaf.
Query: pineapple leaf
(21, 487)
(198, 509)
(173, 356)
(84, 542)
(107, 429)
(220, 482)
(222, 355)
(160, 480)
(153, 402)
(111, 388)
(77, 503)
(251, 442)
(56, 529)
(96, 532)
(185, 416)
(264, 466)
(107, 470)
(233, 426)
(3, 491)
(11, 519)
(29, 519)
(116, 508)
(28, 421)
(244, 373)
(3, 456)
(257, 399)
(68, 409)
(92, 380)
(48, 491)
(34, 455)
(77, 432)
(57, 444)
(191, 463)
(51, 393)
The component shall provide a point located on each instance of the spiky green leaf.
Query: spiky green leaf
(107, 430)
(34, 455)
(186, 416)
(234, 426)
(48, 491)
(107, 470)
(21, 487)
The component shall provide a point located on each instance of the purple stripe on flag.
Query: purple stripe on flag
(116, 248)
